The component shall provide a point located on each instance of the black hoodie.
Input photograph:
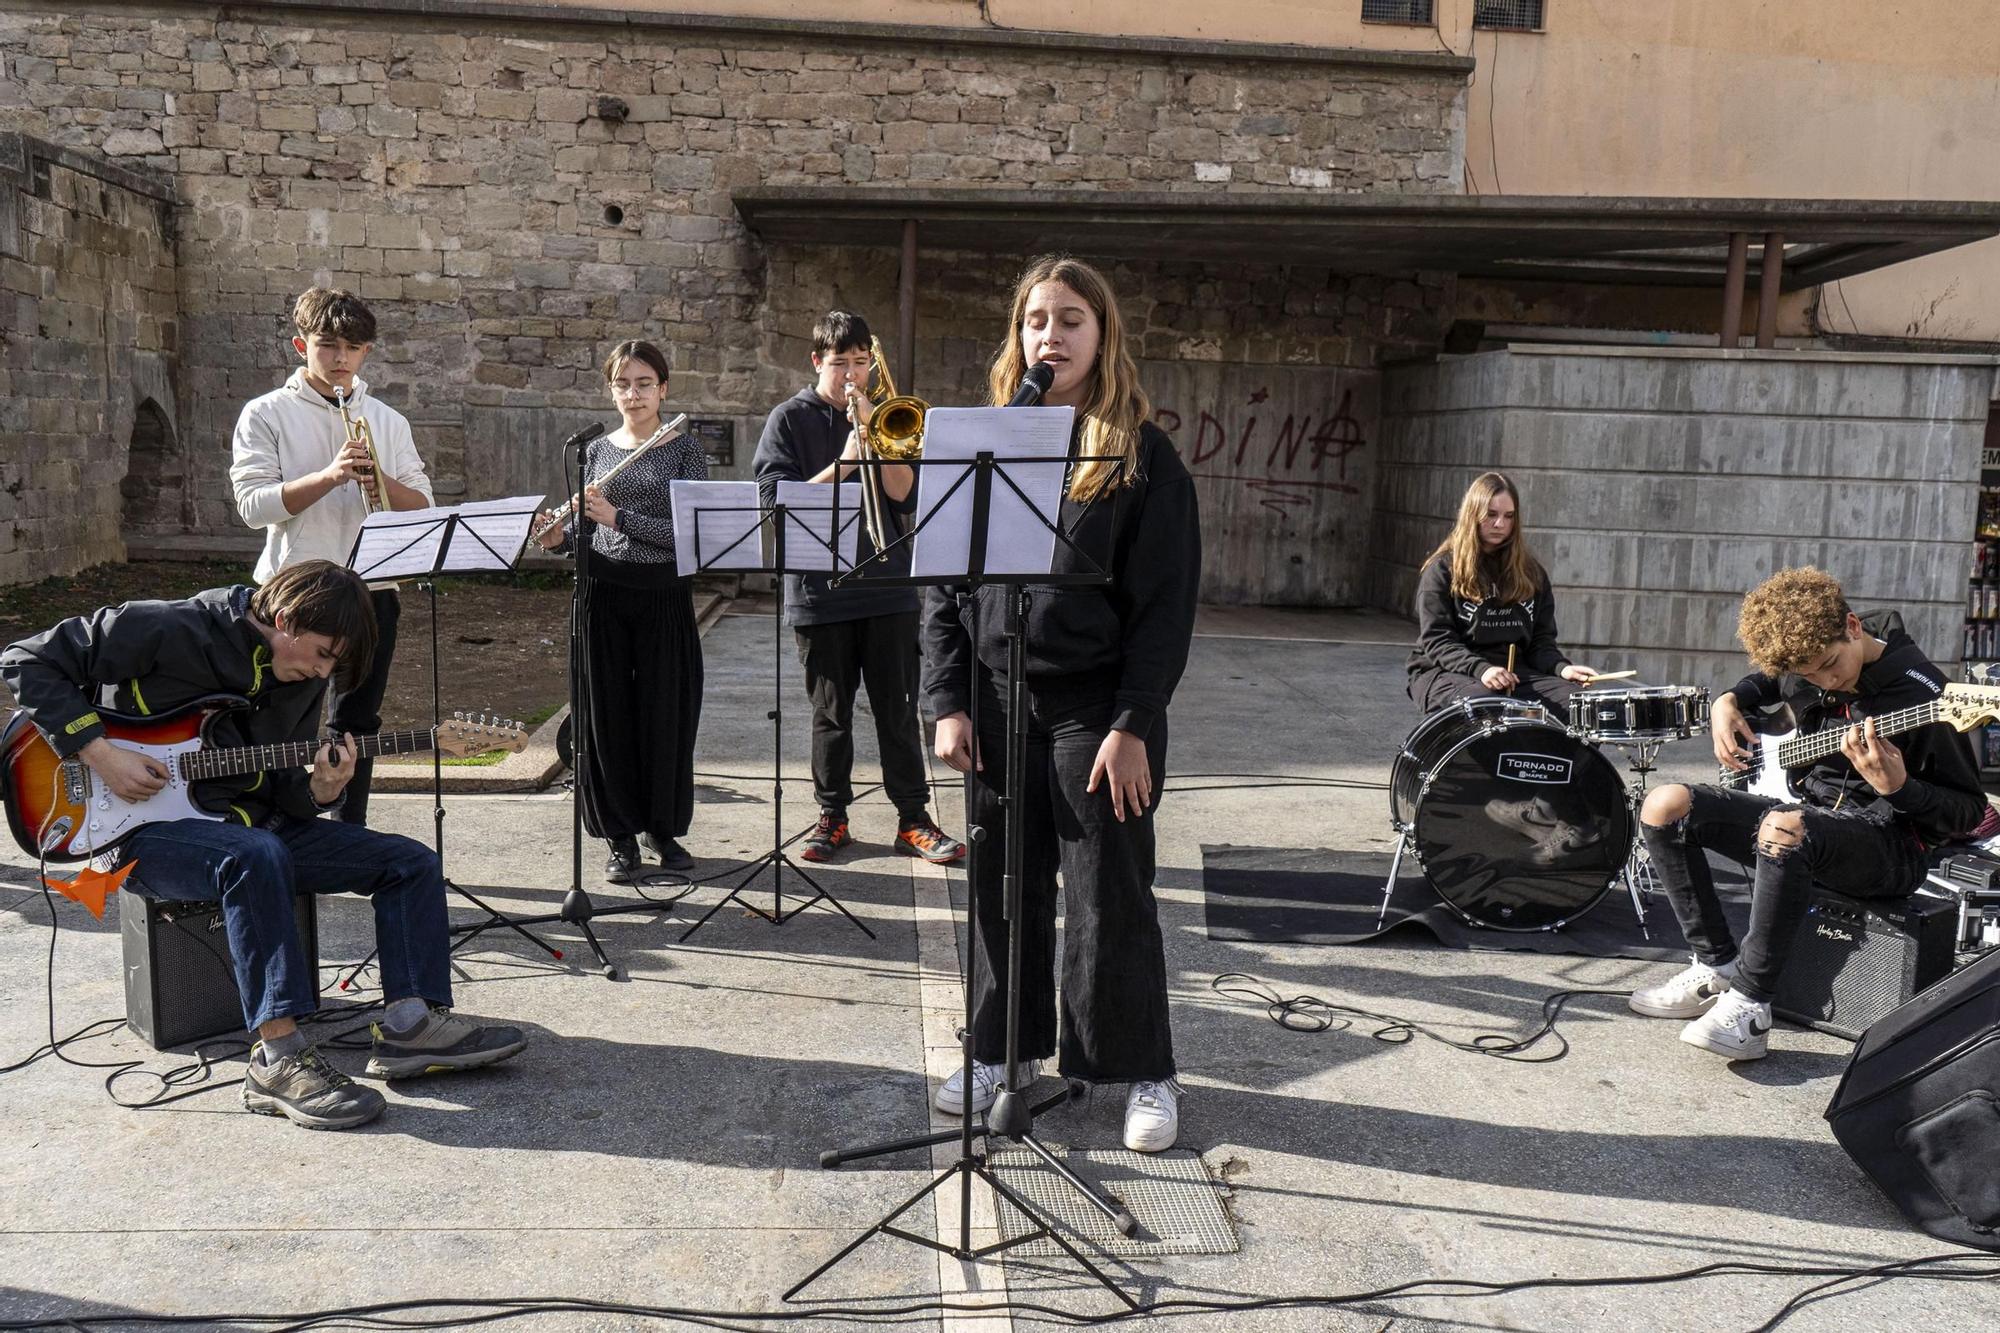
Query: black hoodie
(1129, 639)
(1942, 798)
(1467, 637)
(152, 657)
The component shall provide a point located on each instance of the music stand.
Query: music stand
(727, 522)
(484, 536)
(984, 561)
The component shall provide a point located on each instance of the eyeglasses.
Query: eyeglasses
(629, 390)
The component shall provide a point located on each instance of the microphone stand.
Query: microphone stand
(1012, 1114)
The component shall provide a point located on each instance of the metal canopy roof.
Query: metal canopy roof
(1634, 240)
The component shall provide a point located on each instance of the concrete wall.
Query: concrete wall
(87, 341)
(1659, 485)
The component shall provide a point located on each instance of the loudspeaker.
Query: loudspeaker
(1917, 1108)
(180, 985)
(1852, 961)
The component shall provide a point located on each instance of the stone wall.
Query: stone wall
(513, 196)
(1661, 484)
(87, 340)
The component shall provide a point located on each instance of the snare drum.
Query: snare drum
(1518, 824)
(1648, 713)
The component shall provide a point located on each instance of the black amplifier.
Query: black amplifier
(180, 985)
(1853, 961)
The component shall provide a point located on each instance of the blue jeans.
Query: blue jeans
(253, 873)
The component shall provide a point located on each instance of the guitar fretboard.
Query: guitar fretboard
(1803, 751)
(235, 759)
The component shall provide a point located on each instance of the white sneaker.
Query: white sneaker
(1737, 1028)
(1686, 994)
(1152, 1116)
(987, 1080)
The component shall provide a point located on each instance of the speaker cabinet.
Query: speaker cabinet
(1919, 1106)
(180, 985)
(1853, 961)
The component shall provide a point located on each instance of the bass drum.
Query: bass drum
(1517, 824)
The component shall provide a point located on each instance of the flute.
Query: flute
(668, 431)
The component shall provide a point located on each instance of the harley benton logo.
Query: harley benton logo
(1828, 932)
(1534, 768)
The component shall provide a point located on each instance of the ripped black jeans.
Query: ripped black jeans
(1848, 852)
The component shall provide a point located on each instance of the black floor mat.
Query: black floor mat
(1316, 896)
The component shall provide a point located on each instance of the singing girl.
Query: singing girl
(1103, 662)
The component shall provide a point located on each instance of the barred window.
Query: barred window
(1507, 15)
(1396, 11)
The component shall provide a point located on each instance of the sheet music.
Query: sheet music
(717, 525)
(405, 543)
(809, 510)
(492, 533)
(1017, 541)
(399, 543)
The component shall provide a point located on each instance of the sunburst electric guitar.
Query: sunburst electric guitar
(1781, 751)
(59, 809)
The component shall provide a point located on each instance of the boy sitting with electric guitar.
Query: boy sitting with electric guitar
(247, 837)
(1840, 805)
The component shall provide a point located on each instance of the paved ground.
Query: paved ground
(658, 1142)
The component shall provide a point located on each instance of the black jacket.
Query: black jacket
(801, 437)
(1130, 638)
(1942, 798)
(1467, 637)
(152, 657)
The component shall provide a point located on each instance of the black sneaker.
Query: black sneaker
(922, 837)
(442, 1043)
(828, 837)
(672, 855)
(624, 864)
(306, 1090)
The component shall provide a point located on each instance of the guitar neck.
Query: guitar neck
(234, 759)
(1805, 750)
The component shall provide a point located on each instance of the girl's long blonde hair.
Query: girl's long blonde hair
(1114, 406)
(1518, 573)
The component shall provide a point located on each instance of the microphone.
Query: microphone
(1033, 385)
(584, 436)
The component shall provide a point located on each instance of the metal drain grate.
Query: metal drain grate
(1169, 1194)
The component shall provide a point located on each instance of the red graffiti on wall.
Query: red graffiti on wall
(1284, 462)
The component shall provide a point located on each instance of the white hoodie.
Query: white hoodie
(292, 433)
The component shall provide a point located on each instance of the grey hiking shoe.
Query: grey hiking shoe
(308, 1091)
(443, 1042)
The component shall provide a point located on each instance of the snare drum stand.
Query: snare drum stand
(1639, 757)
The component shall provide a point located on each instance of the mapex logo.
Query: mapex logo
(1830, 933)
(1534, 768)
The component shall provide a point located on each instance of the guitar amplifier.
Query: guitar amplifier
(180, 985)
(1853, 961)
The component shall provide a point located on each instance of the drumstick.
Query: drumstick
(1596, 676)
(1510, 658)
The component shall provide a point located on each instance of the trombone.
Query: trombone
(358, 429)
(893, 432)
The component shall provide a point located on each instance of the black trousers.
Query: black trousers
(644, 686)
(1114, 1024)
(1437, 688)
(880, 651)
(359, 710)
(1849, 852)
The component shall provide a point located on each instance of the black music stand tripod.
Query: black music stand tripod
(731, 556)
(391, 545)
(1011, 1116)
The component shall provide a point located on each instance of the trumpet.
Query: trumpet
(668, 431)
(893, 430)
(358, 429)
